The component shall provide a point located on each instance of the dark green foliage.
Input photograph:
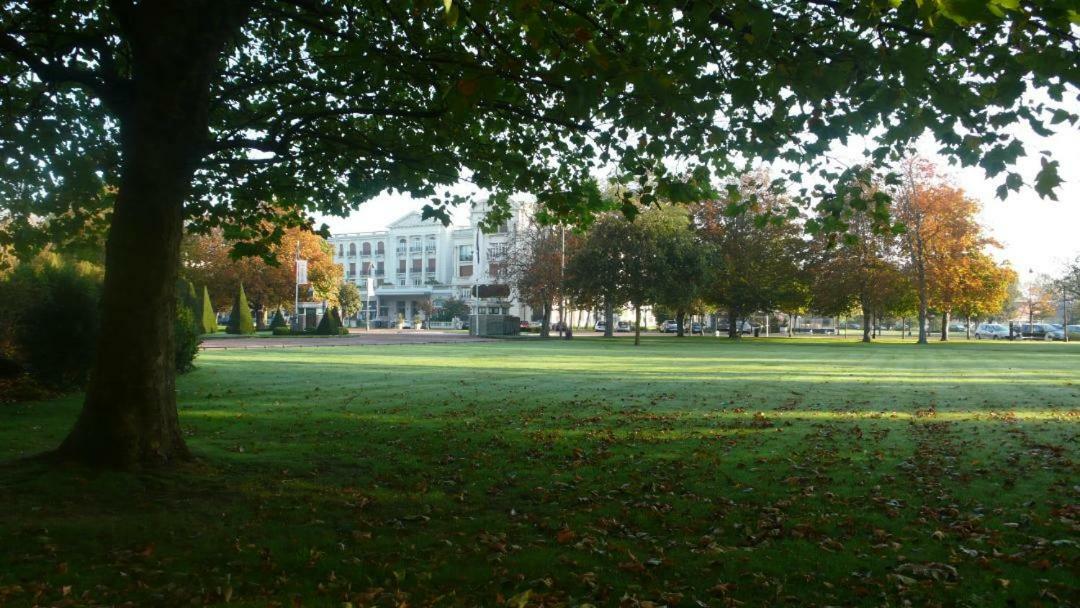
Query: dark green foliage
(282, 331)
(330, 325)
(278, 321)
(187, 338)
(185, 293)
(240, 321)
(207, 318)
(57, 333)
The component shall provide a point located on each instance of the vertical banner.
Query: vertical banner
(301, 272)
(370, 287)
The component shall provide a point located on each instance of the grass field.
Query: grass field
(690, 472)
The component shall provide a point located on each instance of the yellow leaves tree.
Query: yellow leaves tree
(945, 245)
(208, 259)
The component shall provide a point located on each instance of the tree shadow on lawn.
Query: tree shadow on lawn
(374, 489)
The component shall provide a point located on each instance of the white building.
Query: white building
(416, 265)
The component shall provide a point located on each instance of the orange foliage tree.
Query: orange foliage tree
(946, 247)
(208, 259)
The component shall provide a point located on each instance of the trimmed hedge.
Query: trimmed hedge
(278, 321)
(240, 321)
(205, 311)
(330, 325)
(187, 337)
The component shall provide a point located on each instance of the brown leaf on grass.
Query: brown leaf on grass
(566, 535)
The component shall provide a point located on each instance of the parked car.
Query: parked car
(525, 324)
(669, 327)
(623, 326)
(991, 331)
(1035, 331)
(600, 326)
(696, 328)
(1059, 333)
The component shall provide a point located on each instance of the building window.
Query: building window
(366, 269)
(379, 269)
(494, 270)
(352, 269)
(465, 253)
(352, 248)
(431, 265)
(417, 264)
(380, 248)
(401, 266)
(465, 270)
(341, 250)
(366, 249)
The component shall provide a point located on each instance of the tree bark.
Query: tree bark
(967, 328)
(732, 328)
(545, 320)
(609, 318)
(945, 326)
(129, 414)
(680, 323)
(866, 322)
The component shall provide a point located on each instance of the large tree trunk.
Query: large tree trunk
(129, 413)
(866, 323)
(732, 328)
(680, 323)
(945, 326)
(609, 318)
(967, 328)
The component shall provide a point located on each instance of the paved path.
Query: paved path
(356, 338)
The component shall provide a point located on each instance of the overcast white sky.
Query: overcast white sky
(1034, 233)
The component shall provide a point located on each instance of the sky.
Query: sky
(1037, 236)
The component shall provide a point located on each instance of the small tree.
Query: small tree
(207, 316)
(185, 293)
(240, 321)
(278, 320)
(348, 297)
(330, 325)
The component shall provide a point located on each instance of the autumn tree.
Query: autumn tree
(984, 288)
(860, 270)
(754, 256)
(534, 268)
(251, 115)
(209, 259)
(944, 242)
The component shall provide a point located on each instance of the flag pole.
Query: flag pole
(296, 296)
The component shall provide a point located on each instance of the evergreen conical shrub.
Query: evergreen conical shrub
(329, 325)
(240, 320)
(205, 312)
(278, 320)
(185, 293)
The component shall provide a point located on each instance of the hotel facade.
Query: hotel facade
(416, 265)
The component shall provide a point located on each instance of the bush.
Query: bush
(282, 331)
(240, 320)
(57, 333)
(330, 325)
(278, 321)
(50, 318)
(187, 338)
(205, 311)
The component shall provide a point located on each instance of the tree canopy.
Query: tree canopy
(249, 115)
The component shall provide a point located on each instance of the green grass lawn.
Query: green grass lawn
(690, 472)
